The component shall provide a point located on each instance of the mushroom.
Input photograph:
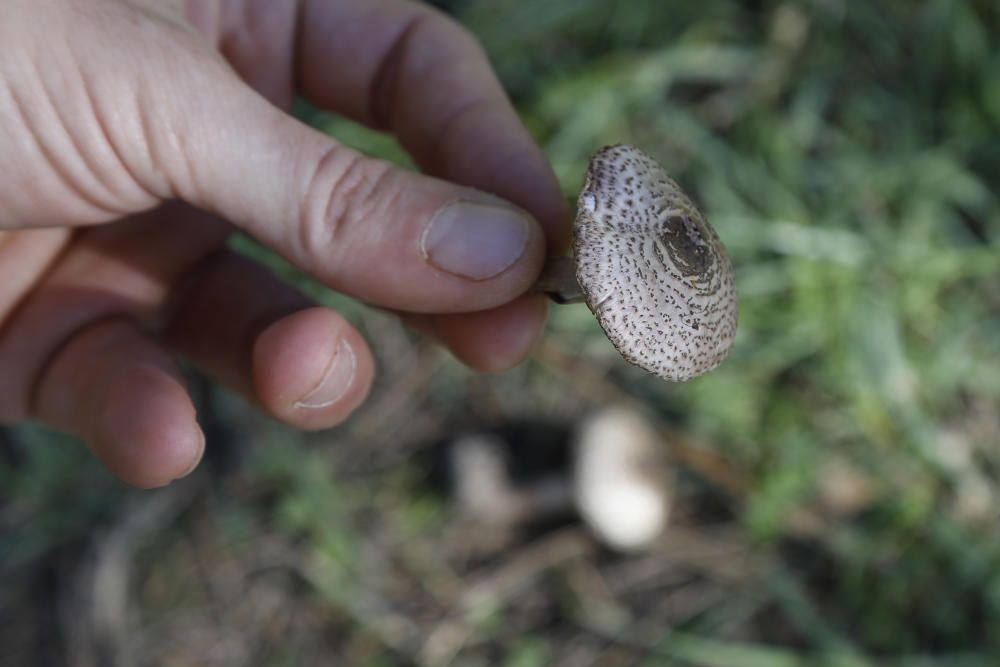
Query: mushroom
(611, 470)
(621, 480)
(649, 266)
(484, 489)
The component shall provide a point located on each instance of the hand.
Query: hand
(133, 133)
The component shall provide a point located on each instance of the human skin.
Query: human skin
(135, 135)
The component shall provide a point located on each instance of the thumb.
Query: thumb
(362, 226)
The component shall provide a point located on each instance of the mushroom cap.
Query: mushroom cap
(652, 269)
(621, 479)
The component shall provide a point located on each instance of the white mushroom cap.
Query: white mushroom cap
(620, 481)
(652, 269)
(483, 489)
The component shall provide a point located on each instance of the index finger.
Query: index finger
(407, 68)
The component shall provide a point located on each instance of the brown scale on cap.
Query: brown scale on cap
(651, 268)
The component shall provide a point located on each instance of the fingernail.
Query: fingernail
(475, 240)
(336, 381)
(197, 458)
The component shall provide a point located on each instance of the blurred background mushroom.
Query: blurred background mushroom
(609, 469)
(621, 479)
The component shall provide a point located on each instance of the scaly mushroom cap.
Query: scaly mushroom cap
(652, 269)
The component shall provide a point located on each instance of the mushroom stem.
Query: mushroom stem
(558, 280)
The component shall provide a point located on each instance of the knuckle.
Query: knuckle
(440, 29)
(344, 189)
(463, 38)
(427, 42)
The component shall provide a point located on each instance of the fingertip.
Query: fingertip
(147, 433)
(494, 340)
(519, 172)
(312, 368)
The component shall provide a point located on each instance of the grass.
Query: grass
(847, 153)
